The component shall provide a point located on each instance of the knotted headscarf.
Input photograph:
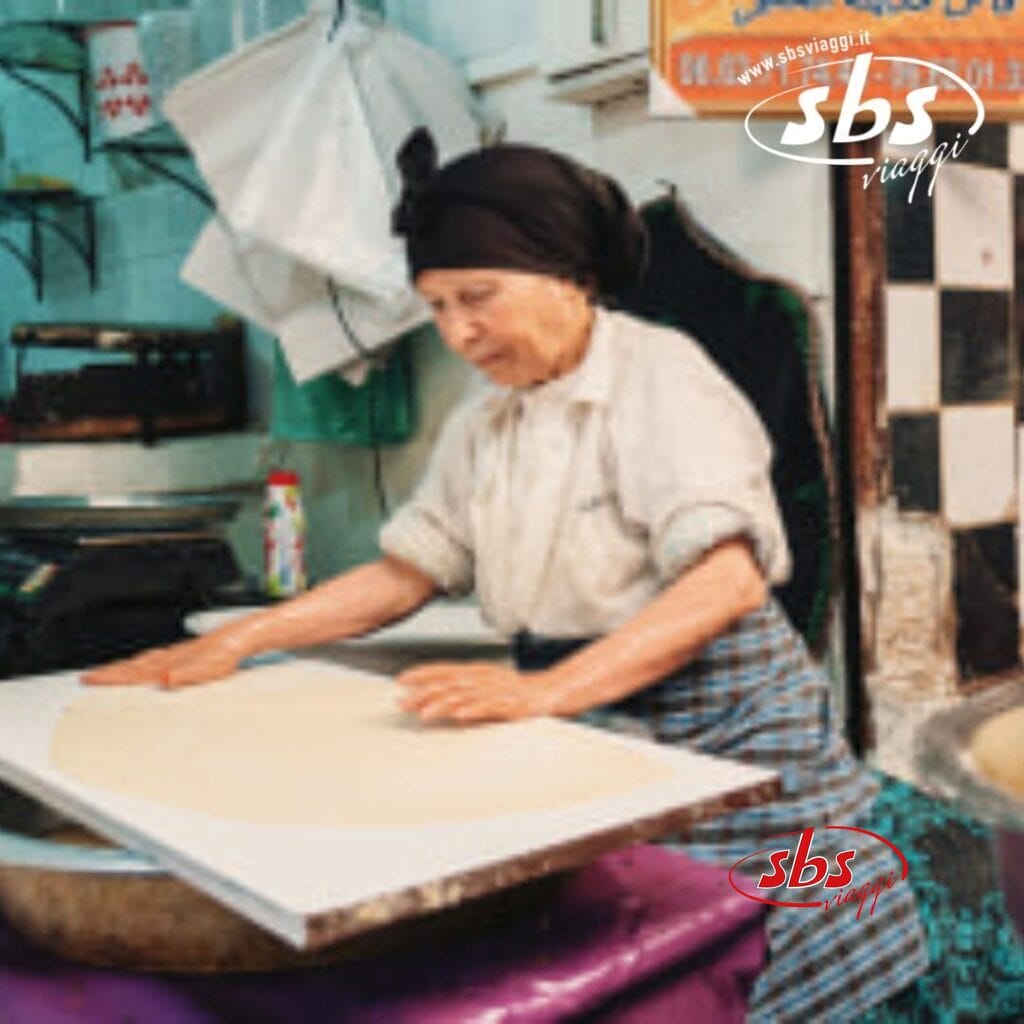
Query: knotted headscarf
(516, 207)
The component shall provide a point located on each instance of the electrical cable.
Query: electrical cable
(339, 17)
(376, 363)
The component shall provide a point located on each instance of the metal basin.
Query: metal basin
(67, 892)
(70, 893)
(941, 755)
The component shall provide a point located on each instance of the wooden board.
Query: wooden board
(315, 885)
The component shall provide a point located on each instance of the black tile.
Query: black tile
(989, 145)
(1018, 231)
(985, 594)
(914, 442)
(1018, 292)
(909, 232)
(975, 328)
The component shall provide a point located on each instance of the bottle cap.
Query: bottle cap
(282, 478)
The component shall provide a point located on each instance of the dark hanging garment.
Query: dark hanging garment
(759, 331)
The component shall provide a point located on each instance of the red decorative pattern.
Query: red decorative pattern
(114, 81)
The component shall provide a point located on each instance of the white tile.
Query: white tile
(974, 227)
(977, 462)
(1016, 147)
(195, 463)
(912, 347)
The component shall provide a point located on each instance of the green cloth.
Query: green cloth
(379, 411)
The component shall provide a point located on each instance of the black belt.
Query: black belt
(535, 653)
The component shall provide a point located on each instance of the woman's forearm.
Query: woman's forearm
(353, 603)
(722, 587)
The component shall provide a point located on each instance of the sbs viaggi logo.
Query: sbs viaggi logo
(862, 117)
(797, 878)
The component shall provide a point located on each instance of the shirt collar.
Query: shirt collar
(590, 382)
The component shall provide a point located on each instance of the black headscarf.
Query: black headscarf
(517, 207)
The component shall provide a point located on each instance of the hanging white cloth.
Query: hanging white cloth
(296, 136)
(292, 300)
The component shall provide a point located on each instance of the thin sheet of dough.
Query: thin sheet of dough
(287, 744)
(997, 746)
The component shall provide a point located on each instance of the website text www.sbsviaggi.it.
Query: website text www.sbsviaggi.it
(860, 116)
(813, 47)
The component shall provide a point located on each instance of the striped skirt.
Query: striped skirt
(754, 694)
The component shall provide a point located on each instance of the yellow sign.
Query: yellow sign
(724, 59)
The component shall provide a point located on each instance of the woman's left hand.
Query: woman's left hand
(474, 692)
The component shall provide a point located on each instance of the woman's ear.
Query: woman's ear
(581, 284)
(588, 285)
(576, 289)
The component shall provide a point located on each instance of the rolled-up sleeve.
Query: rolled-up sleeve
(694, 467)
(432, 530)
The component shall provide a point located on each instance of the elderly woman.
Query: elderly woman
(608, 498)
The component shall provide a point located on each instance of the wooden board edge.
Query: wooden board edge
(324, 929)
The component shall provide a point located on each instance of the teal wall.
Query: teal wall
(145, 228)
(146, 225)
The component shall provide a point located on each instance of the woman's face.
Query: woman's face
(519, 329)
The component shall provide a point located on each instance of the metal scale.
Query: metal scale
(86, 579)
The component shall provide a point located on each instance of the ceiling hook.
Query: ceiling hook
(670, 187)
(339, 17)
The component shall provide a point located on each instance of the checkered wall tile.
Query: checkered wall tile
(915, 461)
(973, 216)
(985, 597)
(912, 360)
(955, 296)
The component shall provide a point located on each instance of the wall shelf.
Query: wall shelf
(50, 209)
(28, 48)
(56, 48)
(155, 148)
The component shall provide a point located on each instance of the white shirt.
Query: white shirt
(569, 505)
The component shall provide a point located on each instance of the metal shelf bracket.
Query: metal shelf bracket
(16, 69)
(34, 209)
(153, 149)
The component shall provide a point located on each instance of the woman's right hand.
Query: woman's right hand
(358, 601)
(183, 664)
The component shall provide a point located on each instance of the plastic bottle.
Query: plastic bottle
(284, 534)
